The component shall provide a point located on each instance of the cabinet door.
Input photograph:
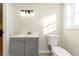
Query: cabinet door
(31, 47)
(16, 47)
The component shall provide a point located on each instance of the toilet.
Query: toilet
(54, 48)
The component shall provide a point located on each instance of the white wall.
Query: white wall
(21, 25)
(71, 41)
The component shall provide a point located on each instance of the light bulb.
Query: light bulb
(22, 14)
(27, 14)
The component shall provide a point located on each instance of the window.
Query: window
(71, 15)
(76, 16)
(49, 24)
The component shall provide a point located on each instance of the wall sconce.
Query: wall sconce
(27, 12)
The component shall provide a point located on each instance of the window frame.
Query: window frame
(72, 17)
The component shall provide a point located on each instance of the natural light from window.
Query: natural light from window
(49, 24)
(76, 16)
(71, 15)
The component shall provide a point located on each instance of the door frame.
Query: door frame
(5, 29)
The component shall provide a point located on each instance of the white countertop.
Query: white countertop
(25, 36)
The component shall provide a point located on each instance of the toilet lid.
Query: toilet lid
(60, 51)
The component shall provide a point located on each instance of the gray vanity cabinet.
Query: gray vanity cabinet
(24, 46)
(31, 47)
(16, 47)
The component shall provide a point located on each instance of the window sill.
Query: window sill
(72, 27)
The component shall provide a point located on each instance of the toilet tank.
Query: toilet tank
(53, 39)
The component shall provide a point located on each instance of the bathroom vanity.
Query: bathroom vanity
(24, 45)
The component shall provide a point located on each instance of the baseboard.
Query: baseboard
(44, 53)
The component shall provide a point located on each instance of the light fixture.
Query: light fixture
(27, 12)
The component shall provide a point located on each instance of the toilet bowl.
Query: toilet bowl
(59, 51)
(54, 48)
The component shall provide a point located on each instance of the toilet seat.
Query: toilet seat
(58, 51)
